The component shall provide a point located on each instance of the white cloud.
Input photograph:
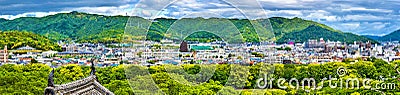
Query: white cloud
(30, 14)
(366, 9)
(347, 27)
(366, 28)
(321, 15)
(120, 10)
(284, 13)
(363, 17)
(379, 25)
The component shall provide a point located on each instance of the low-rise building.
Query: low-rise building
(26, 48)
(3, 55)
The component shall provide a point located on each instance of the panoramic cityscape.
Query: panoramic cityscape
(224, 47)
(314, 51)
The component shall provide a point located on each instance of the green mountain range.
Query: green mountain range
(83, 27)
(394, 36)
(68, 26)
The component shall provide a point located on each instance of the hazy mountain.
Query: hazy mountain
(373, 37)
(394, 36)
(73, 26)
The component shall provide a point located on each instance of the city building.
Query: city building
(4, 55)
(315, 43)
(70, 48)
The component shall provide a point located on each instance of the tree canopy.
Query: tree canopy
(83, 27)
(31, 78)
(316, 32)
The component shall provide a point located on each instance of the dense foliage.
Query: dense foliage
(16, 39)
(203, 37)
(83, 27)
(282, 26)
(108, 36)
(31, 78)
(316, 32)
(394, 36)
(67, 26)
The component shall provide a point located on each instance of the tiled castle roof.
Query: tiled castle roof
(85, 86)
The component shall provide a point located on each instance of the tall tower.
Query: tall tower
(184, 47)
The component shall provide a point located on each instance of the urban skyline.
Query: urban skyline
(199, 47)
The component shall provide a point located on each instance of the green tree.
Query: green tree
(139, 54)
(288, 49)
(33, 60)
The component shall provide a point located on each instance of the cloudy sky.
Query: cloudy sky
(363, 17)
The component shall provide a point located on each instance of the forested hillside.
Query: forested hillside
(83, 27)
(31, 79)
(394, 36)
(283, 26)
(67, 26)
(316, 32)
